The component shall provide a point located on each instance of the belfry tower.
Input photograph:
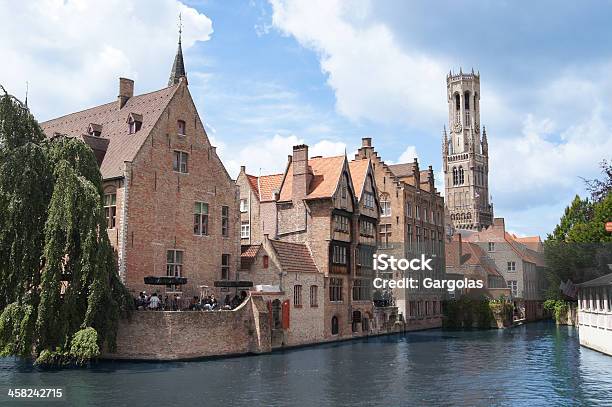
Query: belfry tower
(465, 153)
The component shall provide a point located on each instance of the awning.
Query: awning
(165, 280)
(233, 284)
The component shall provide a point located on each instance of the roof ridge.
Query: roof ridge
(102, 105)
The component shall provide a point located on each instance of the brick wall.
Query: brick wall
(160, 335)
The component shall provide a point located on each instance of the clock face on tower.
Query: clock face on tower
(457, 127)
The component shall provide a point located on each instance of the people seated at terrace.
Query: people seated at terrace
(141, 301)
(227, 303)
(194, 304)
(153, 302)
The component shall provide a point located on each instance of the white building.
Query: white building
(595, 314)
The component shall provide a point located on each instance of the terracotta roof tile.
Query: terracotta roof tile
(247, 255)
(268, 185)
(122, 145)
(325, 176)
(294, 257)
(358, 169)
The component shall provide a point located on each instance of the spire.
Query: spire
(178, 68)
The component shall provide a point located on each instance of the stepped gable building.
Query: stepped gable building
(171, 207)
(521, 266)
(411, 224)
(330, 207)
(466, 155)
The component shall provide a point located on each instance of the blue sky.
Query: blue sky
(269, 74)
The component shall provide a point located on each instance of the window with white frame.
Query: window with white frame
(368, 200)
(244, 205)
(180, 161)
(511, 266)
(339, 254)
(491, 246)
(174, 264)
(110, 210)
(225, 266)
(385, 205)
(200, 219)
(513, 286)
(341, 224)
(245, 230)
(409, 209)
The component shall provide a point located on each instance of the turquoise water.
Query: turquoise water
(531, 365)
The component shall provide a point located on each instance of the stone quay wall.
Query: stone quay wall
(177, 335)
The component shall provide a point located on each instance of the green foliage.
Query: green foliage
(59, 287)
(579, 248)
(84, 345)
(465, 312)
(558, 308)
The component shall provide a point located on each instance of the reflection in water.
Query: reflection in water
(534, 364)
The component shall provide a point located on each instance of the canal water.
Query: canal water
(534, 364)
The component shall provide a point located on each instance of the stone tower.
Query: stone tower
(466, 155)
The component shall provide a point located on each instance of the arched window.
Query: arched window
(334, 325)
(457, 102)
(461, 179)
(455, 176)
(466, 100)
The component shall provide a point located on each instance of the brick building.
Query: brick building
(171, 207)
(330, 207)
(468, 260)
(411, 224)
(521, 266)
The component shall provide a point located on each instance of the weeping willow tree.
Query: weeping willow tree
(61, 297)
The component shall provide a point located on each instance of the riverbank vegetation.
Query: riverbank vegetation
(468, 313)
(579, 248)
(558, 309)
(60, 294)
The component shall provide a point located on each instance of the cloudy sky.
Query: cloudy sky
(270, 74)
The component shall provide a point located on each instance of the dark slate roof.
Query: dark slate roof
(294, 257)
(122, 146)
(178, 68)
(598, 282)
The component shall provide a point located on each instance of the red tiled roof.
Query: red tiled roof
(122, 145)
(471, 255)
(265, 186)
(325, 176)
(247, 255)
(268, 185)
(294, 257)
(358, 169)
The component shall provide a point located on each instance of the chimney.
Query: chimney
(366, 142)
(300, 172)
(126, 91)
(242, 168)
(499, 223)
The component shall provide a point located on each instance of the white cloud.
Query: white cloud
(372, 76)
(269, 155)
(408, 156)
(72, 52)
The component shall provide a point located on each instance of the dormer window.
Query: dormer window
(94, 130)
(180, 126)
(134, 123)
